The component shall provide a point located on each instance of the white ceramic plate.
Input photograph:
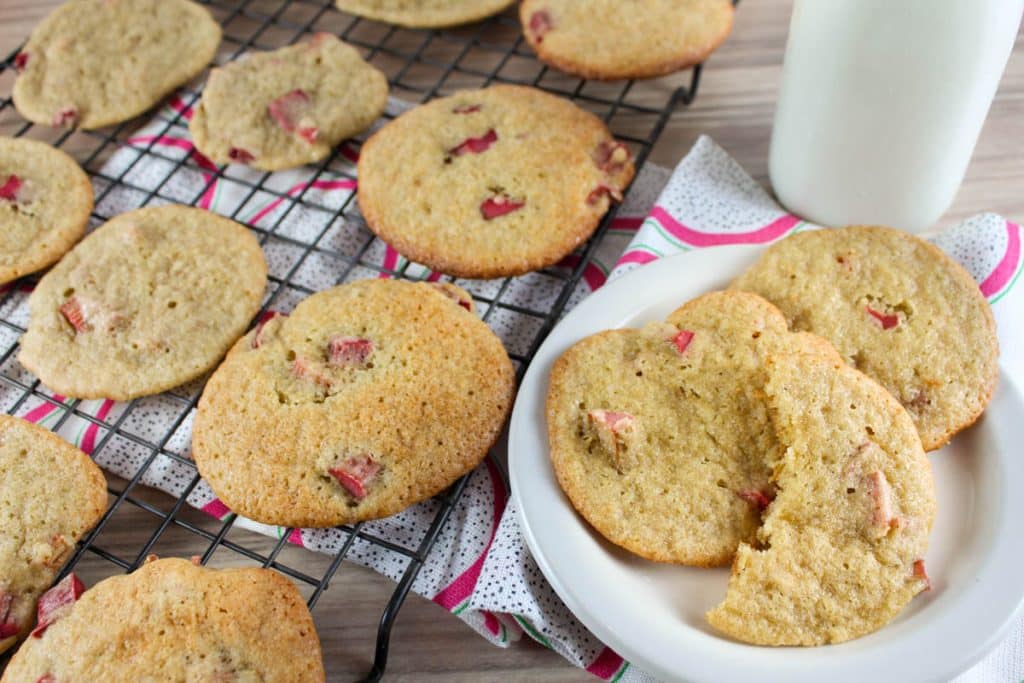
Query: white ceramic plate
(653, 615)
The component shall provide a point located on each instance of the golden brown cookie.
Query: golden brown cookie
(51, 494)
(368, 398)
(898, 309)
(842, 548)
(148, 301)
(45, 202)
(660, 437)
(171, 620)
(93, 63)
(490, 183)
(612, 39)
(424, 13)
(289, 107)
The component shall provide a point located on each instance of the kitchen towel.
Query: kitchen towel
(480, 568)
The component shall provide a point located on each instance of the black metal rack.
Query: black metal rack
(420, 65)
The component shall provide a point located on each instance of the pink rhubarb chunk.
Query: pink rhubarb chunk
(616, 432)
(8, 627)
(46, 678)
(257, 339)
(67, 116)
(356, 475)
(600, 191)
(305, 369)
(291, 111)
(886, 321)
(21, 61)
(881, 495)
(460, 300)
(75, 315)
(920, 573)
(239, 155)
(540, 24)
(496, 207)
(9, 190)
(682, 340)
(57, 602)
(611, 156)
(467, 109)
(475, 145)
(348, 351)
(758, 499)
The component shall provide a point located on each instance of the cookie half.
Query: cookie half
(491, 183)
(660, 437)
(149, 300)
(898, 309)
(289, 107)
(45, 202)
(368, 398)
(842, 548)
(424, 13)
(611, 39)
(185, 622)
(51, 494)
(93, 63)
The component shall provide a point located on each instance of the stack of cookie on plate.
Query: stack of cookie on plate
(781, 426)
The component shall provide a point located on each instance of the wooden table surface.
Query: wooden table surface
(735, 106)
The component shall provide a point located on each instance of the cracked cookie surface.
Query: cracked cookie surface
(51, 494)
(224, 624)
(94, 63)
(289, 107)
(612, 39)
(898, 309)
(842, 548)
(45, 202)
(490, 183)
(424, 13)
(149, 300)
(368, 398)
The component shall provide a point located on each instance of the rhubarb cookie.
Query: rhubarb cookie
(490, 183)
(148, 301)
(93, 63)
(172, 620)
(368, 398)
(842, 548)
(289, 107)
(611, 39)
(898, 309)
(45, 202)
(660, 436)
(51, 494)
(424, 13)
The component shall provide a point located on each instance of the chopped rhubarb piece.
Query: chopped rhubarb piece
(882, 517)
(9, 190)
(920, 573)
(602, 190)
(46, 678)
(56, 602)
(611, 156)
(67, 116)
(475, 145)
(75, 315)
(257, 339)
(682, 340)
(20, 61)
(540, 24)
(239, 155)
(454, 294)
(616, 431)
(291, 111)
(886, 321)
(758, 499)
(348, 352)
(305, 369)
(467, 109)
(356, 475)
(501, 205)
(8, 627)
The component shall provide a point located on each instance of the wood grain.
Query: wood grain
(735, 107)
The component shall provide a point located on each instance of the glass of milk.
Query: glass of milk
(881, 104)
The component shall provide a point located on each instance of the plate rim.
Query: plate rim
(534, 386)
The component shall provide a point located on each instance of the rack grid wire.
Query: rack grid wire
(420, 65)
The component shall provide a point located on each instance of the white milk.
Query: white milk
(881, 105)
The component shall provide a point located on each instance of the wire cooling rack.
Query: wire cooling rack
(420, 65)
